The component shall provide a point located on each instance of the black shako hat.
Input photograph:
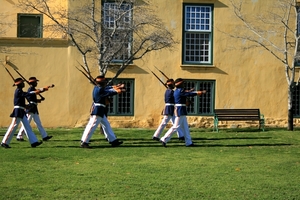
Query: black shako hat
(18, 81)
(32, 79)
(178, 81)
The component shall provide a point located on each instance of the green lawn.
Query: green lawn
(232, 164)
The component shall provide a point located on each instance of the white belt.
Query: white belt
(180, 104)
(33, 102)
(99, 104)
(169, 104)
(19, 107)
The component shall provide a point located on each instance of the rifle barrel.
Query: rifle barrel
(9, 74)
(162, 73)
(26, 80)
(157, 77)
(87, 76)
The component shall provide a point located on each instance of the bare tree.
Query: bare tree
(4, 25)
(281, 21)
(2, 28)
(105, 32)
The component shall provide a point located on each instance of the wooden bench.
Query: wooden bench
(238, 115)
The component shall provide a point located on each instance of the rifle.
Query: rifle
(9, 73)
(42, 98)
(91, 79)
(161, 72)
(158, 78)
(14, 81)
(86, 73)
(188, 101)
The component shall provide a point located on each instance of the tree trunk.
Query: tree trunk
(290, 120)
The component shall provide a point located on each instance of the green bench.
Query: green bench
(238, 115)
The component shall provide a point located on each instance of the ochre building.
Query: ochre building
(234, 74)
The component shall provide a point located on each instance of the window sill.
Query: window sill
(197, 1)
(197, 66)
(116, 66)
(33, 41)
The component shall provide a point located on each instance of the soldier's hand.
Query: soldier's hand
(121, 85)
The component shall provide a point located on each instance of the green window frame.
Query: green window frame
(123, 104)
(30, 25)
(119, 40)
(296, 101)
(197, 34)
(204, 104)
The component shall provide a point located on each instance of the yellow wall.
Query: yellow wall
(244, 78)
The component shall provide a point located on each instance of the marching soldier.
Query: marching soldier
(18, 115)
(168, 112)
(180, 95)
(98, 113)
(32, 112)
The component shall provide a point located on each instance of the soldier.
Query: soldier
(168, 112)
(98, 113)
(32, 112)
(18, 115)
(180, 95)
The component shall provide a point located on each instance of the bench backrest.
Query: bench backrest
(237, 112)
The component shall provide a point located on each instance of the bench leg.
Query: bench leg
(216, 121)
(262, 124)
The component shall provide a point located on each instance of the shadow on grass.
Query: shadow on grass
(171, 145)
(243, 145)
(138, 142)
(238, 130)
(234, 138)
(174, 146)
(158, 145)
(249, 130)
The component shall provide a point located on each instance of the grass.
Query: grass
(231, 164)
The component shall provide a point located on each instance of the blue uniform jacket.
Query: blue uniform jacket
(32, 100)
(99, 94)
(170, 103)
(180, 100)
(19, 103)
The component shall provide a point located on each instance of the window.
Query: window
(197, 34)
(296, 100)
(204, 104)
(30, 26)
(122, 104)
(117, 34)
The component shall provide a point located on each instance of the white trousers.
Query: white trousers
(179, 122)
(13, 127)
(37, 121)
(92, 125)
(163, 124)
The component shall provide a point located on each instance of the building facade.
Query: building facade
(234, 74)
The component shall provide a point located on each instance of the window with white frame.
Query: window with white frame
(30, 25)
(122, 104)
(205, 103)
(117, 34)
(197, 34)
